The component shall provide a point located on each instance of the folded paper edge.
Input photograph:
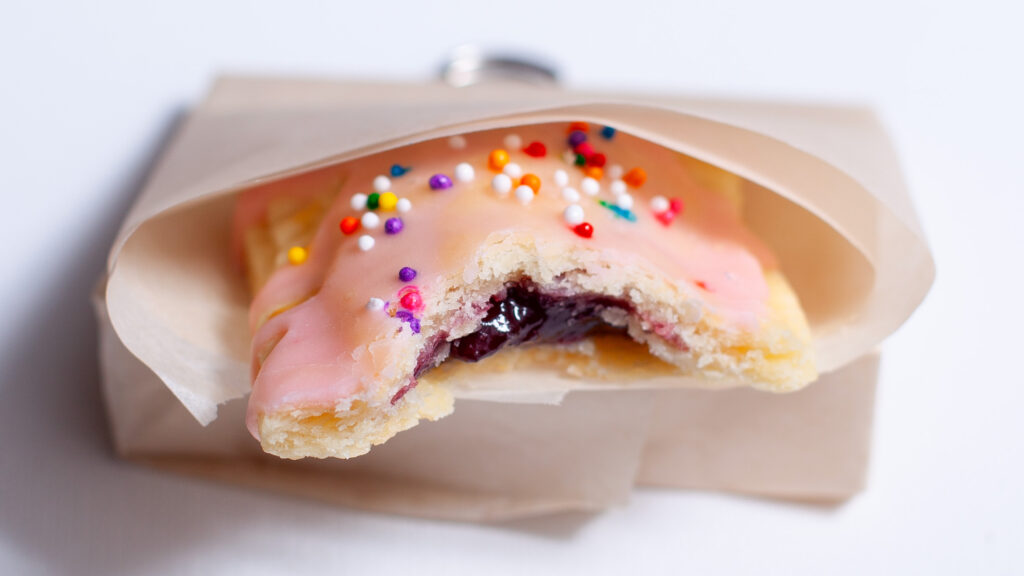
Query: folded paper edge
(205, 410)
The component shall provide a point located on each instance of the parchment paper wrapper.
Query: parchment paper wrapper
(821, 187)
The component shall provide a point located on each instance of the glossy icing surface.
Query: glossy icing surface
(330, 346)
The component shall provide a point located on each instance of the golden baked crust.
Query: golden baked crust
(776, 356)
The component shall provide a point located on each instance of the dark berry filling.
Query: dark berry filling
(521, 314)
(525, 314)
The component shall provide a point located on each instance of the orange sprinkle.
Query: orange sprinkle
(581, 126)
(532, 181)
(635, 177)
(497, 160)
(595, 172)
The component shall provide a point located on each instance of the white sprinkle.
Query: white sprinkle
(403, 205)
(573, 214)
(374, 304)
(570, 194)
(513, 142)
(366, 243)
(524, 194)
(618, 187)
(569, 156)
(561, 178)
(381, 184)
(614, 172)
(659, 204)
(502, 184)
(358, 201)
(590, 186)
(457, 142)
(513, 170)
(370, 220)
(624, 201)
(464, 172)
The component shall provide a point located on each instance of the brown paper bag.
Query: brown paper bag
(177, 342)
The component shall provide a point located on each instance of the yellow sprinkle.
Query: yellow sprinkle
(387, 201)
(297, 254)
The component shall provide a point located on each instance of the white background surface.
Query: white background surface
(87, 91)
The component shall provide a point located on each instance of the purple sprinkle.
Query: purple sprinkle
(406, 274)
(440, 182)
(577, 137)
(408, 318)
(393, 225)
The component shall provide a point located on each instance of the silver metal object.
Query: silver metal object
(470, 65)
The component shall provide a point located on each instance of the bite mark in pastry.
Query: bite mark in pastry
(593, 253)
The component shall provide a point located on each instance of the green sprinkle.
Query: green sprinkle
(373, 201)
(581, 160)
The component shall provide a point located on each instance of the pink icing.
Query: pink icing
(331, 345)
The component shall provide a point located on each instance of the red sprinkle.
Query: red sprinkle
(536, 150)
(666, 217)
(597, 159)
(581, 126)
(702, 285)
(585, 148)
(585, 230)
(349, 225)
(675, 208)
(412, 301)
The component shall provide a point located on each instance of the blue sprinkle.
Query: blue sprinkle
(608, 132)
(623, 213)
(399, 170)
(618, 211)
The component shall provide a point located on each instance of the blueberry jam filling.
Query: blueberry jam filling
(525, 314)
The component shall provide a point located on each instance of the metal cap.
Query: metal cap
(470, 65)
